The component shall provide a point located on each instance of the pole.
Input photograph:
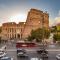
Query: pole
(43, 33)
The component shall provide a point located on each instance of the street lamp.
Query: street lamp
(43, 30)
(43, 34)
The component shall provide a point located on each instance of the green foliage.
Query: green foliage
(47, 34)
(53, 29)
(38, 34)
(56, 37)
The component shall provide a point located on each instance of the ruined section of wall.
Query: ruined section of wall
(34, 20)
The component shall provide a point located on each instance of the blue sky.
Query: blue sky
(11, 10)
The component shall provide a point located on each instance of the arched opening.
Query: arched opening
(18, 35)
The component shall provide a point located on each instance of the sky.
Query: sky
(17, 10)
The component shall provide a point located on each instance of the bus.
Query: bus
(25, 44)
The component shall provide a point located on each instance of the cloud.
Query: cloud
(51, 22)
(57, 19)
(18, 18)
(59, 12)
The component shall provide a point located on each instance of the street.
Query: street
(53, 50)
(51, 54)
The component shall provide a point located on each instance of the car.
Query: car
(2, 54)
(21, 50)
(21, 53)
(58, 57)
(44, 55)
(41, 51)
(3, 49)
(6, 58)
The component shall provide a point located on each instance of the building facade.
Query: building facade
(35, 19)
(11, 30)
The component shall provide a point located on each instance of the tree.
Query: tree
(35, 34)
(47, 34)
(56, 30)
(53, 29)
(56, 37)
(38, 34)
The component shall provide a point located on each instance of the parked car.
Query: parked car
(42, 51)
(21, 53)
(44, 55)
(58, 57)
(2, 54)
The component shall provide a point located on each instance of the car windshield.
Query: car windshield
(20, 50)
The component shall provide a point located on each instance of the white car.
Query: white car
(6, 58)
(2, 54)
(3, 49)
(58, 57)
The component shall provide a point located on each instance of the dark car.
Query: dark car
(44, 55)
(21, 53)
(42, 51)
(21, 50)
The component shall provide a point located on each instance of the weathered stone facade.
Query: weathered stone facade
(35, 18)
(11, 30)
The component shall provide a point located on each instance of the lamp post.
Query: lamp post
(43, 30)
(43, 34)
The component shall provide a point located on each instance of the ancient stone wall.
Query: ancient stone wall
(34, 20)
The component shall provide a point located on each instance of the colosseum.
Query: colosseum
(35, 19)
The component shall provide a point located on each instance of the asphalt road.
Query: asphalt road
(31, 52)
(33, 55)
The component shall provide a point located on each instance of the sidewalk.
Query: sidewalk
(28, 50)
(53, 49)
